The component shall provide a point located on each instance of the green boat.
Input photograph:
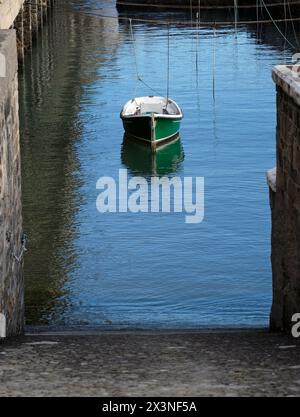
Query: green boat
(153, 120)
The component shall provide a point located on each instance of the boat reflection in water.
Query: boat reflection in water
(139, 158)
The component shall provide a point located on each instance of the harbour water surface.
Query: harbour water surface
(146, 270)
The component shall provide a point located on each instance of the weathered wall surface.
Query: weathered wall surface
(285, 201)
(26, 16)
(9, 10)
(11, 275)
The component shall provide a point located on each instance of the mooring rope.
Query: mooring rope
(214, 64)
(257, 17)
(277, 27)
(138, 77)
(293, 26)
(235, 16)
(262, 15)
(210, 24)
(174, 6)
(134, 50)
(197, 41)
(204, 24)
(285, 16)
(19, 257)
(285, 30)
(199, 21)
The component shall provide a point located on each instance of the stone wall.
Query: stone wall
(11, 275)
(285, 200)
(29, 20)
(27, 17)
(9, 10)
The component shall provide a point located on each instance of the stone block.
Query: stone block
(11, 270)
(285, 202)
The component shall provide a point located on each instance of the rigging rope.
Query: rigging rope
(277, 27)
(204, 24)
(139, 78)
(149, 86)
(293, 26)
(174, 6)
(215, 24)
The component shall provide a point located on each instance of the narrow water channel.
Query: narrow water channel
(146, 270)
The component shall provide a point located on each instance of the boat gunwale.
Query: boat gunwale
(178, 116)
(150, 115)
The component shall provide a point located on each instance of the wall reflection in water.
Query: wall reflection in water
(65, 60)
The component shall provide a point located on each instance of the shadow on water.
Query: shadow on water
(256, 22)
(140, 160)
(63, 60)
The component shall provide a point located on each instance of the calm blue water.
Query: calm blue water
(146, 270)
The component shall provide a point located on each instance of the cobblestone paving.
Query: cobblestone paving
(204, 363)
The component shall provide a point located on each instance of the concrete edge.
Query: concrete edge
(287, 77)
(33, 331)
(9, 64)
(271, 179)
